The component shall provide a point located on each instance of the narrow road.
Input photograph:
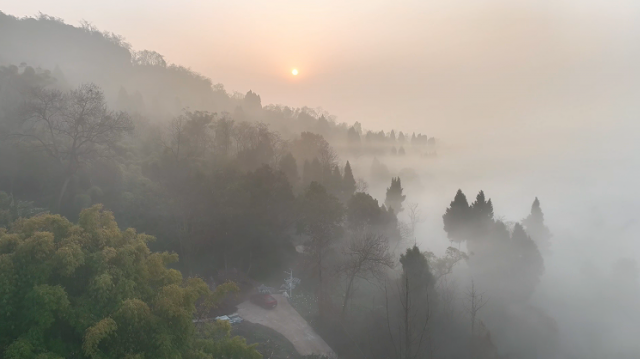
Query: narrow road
(286, 320)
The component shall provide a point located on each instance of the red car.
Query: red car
(264, 300)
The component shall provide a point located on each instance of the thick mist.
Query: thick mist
(588, 191)
(455, 69)
(520, 101)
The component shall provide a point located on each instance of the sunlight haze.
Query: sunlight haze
(420, 179)
(427, 65)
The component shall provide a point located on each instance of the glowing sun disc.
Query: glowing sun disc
(294, 72)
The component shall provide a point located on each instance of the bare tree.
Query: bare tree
(408, 230)
(327, 156)
(367, 255)
(415, 217)
(189, 135)
(73, 128)
(148, 58)
(280, 148)
(223, 134)
(447, 294)
(476, 302)
(412, 328)
(362, 185)
(242, 135)
(442, 266)
(176, 137)
(411, 307)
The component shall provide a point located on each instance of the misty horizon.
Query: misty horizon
(472, 165)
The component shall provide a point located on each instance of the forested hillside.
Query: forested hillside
(232, 188)
(141, 81)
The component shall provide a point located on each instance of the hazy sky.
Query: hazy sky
(449, 68)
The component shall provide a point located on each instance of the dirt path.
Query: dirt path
(286, 320)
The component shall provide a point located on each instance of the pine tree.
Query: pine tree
(348, 182)
(481, 212)
(395, 197)
(456, 217)
(534, 224)
(353, 136)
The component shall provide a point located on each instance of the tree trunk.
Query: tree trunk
(407, 332)
(346, 296)
(62, 192)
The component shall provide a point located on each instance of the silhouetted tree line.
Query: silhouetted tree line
(144, 83)
(220, 192)
(381, 143)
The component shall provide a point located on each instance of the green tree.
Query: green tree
(93, 291)
(394, 196)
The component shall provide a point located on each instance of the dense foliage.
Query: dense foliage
(93, 291)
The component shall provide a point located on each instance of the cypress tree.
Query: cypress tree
(482, 213)
(348, 182)
(416, 267)
(395, 197)
(456, 216)
(534, 224)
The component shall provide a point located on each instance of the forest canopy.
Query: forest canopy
(115, 163)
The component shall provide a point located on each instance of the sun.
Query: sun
(294, 72)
